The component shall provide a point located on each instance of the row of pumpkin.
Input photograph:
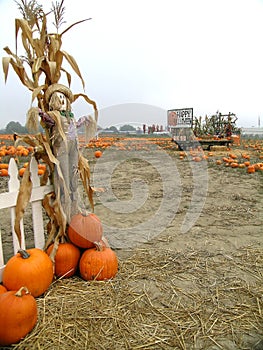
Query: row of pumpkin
(230, 159)
(29, 273)
(25, 152)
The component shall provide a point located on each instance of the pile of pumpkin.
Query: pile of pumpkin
(233, 161)
(29, 273)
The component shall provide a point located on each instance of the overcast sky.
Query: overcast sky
(155, 55)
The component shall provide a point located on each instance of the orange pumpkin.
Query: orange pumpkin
(97, 154)
(234, 165)
(3, 166)
(31, 268)
(251, 169)
(66, 259)
(3, 172)
(98, 264)
(84, 230)
(42, 166)
(232, 155)
(18, 312)
(2, 289)
(21, 171)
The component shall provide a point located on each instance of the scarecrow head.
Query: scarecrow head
(59, 97)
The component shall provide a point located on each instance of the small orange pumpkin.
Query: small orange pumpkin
(18, 312)
(84, 230)
(21, 171)
(3, 166)
(3, 172)
(234, 165)
(98, 263)
(66, 259)
(251, 169)
(97, 154)
(31, 268)
(232, 155)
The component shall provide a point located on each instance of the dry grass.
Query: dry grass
(160, 299)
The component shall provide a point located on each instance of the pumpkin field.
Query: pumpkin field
(186, 227)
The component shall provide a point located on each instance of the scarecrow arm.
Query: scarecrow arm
(84, 120)
(49, 122)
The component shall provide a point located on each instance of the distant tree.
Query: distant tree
(112, 128)
(15, 127)
(127, 127)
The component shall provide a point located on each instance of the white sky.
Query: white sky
(205, 54)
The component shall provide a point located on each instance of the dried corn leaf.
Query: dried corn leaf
(7, 50)
(72, 25)
(60, 215)
(43, 31)
(26, 31)
(67, 75)
(54, 250)
(52, 226)
(74, 65)
(26, 46)
(37, 91)
(55, 115)
(20, 71)
(5, 63)
(53, 69)
(32, 122)
(55, 43)
(30, 140)
(91, 102)
(23, 198)
(84, 172)
(37, 64)
(39, 48)
(59, 60)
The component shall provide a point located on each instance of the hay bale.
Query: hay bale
(218, 148)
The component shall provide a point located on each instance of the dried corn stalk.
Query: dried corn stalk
(44, 59)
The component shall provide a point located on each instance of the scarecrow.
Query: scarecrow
(62, 128)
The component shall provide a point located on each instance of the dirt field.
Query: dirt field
(189, 240)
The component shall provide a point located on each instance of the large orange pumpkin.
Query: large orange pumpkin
(31, 268)
(84, 230)
(66, 259)
(18, 312)
(98, 264)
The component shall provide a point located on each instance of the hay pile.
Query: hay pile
(160, 299)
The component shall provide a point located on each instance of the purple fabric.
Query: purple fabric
(46, 119)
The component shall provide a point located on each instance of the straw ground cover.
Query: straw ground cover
(161, 299)
(198, 290)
